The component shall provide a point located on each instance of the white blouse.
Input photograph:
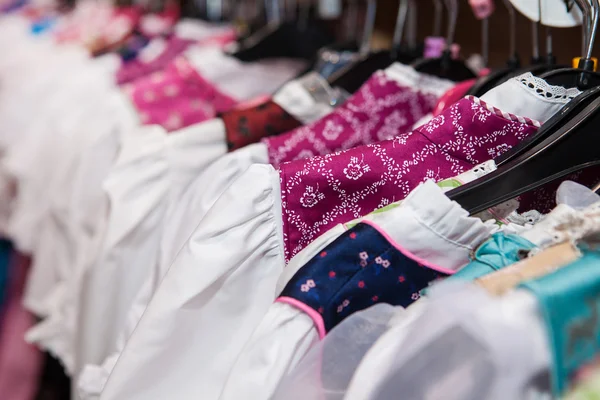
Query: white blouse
(219, 287)
(75, 211)
(50, 96)
(427, 223)
(146, 188)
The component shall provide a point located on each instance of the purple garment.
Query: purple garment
(323, 191)
(380, 110)
(137, 68)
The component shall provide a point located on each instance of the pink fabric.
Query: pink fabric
(482, 8)
(315, 316)
(323, 191)
(137, 68)
(380, 110)
(20, 363)
(453, 95)
(177, 97)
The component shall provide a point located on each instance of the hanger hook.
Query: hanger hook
(594, 30)
(304, 14)
(273, 11)
(411, 25)
(400, 25)
(512, 16)
(351, 19)
(369, 26)
(452, 6)
(590, 13)
(437, 17)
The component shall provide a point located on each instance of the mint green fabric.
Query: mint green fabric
(499, 251)
(570, 302)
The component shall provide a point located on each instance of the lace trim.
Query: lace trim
(407, 76)
(542, 89)
(502, 114)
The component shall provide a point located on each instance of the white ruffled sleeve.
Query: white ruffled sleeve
(214, 295)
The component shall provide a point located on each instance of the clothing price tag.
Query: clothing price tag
(330, 9)
(537, 266)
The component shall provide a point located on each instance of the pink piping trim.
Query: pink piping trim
(315, 316)
(406, 252)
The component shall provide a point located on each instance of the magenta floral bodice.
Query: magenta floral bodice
(322, 191)
(381, 109)
(177, 97)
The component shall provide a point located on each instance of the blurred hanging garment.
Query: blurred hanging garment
(202, 83)
(160, 52)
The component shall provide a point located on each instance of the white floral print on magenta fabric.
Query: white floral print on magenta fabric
(323, 191)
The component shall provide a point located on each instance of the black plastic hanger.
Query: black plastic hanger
(283, 40)
(571, 148)
(355, 75)
(445, 66)
(569, 111)
(582, 77)
(539, 64)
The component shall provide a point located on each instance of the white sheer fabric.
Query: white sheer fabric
(465, 345)
(327, 368)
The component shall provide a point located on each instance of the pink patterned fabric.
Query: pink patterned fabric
(137, 68)
(323, 191)
(380, 110)
(20, 363)
(177, 97)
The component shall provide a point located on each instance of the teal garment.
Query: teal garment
(499, 251)
(570, 302)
